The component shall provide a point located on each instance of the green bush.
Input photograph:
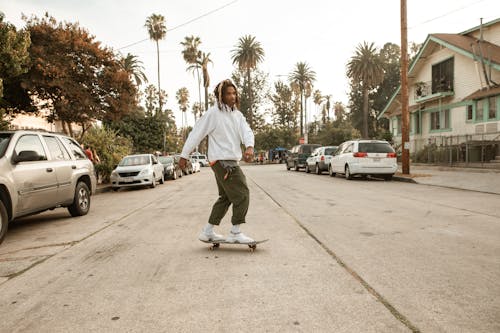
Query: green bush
(109, 147)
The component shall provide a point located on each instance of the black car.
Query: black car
(171, 167)
(298, 155)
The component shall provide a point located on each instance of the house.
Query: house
(454, 98)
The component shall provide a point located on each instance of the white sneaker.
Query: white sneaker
(210, 236)
(239, 238)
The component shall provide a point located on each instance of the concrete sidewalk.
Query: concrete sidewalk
(471, 179)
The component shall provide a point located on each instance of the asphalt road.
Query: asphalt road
(343, 256)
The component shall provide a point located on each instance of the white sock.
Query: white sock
(235, 229)
(208, 228)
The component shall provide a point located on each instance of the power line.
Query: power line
(185, 23)
(446, 14)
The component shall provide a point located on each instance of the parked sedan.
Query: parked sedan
(320, 159)
(364, 157)
(171, 169)
(196, 165)
(137, 170)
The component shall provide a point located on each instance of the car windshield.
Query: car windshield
(375, 147)
(135, 160)
(4, 142)
(330, 151)
(166, 160)
(308, 149)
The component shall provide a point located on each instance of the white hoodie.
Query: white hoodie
(226, 131)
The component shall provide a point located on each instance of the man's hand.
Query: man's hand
(248, 155)
(182, 163)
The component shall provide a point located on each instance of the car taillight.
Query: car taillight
(360, 154)
(322, 157)
(393, 155)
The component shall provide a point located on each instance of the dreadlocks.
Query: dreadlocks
(220, 90)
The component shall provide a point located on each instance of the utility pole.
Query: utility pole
(405, 116)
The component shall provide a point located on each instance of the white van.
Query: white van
(202, 159)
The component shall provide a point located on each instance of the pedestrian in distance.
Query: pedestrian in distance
(227, 129)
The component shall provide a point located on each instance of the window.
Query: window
(470, 113)
(55, 148)
(31, 143)
(492, 107)
(76, 150)
(442, 76)
(435, 121)
(446, 114)
(416, 126)
(479, 110)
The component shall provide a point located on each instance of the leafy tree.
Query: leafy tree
(318, 99)
(302, 77)
(270, 137)
(74, 76)
(157, 31)
(283, 114)
(247, 55)
(109, 146)
(134, 68)
(14, 61)
(365, 68)
(252, 95)
(332, 133)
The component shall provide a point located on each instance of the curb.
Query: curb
(404, 179)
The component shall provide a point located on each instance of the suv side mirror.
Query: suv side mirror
(26, 156)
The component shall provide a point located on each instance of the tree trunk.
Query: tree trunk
(159, 89)
(301, 114)
(199, 86)
(250, 112)
(365, 113)
(206, 96)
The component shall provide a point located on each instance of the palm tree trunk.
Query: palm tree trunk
(301, 114)
(250, 112)
(365, 113)
(159, 89)
(206, 98)
(199, 85)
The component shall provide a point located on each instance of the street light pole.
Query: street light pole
(405, 116)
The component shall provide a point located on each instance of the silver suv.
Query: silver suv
(40, 171)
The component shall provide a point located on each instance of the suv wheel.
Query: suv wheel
(81, 201)
(287, 167)
(4, 221)
(330, 171)
(162, 179)
(348, 174)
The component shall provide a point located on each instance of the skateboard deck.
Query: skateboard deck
(216, 244)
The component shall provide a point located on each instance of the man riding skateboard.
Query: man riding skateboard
(227, 129)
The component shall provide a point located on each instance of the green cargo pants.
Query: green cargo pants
(232, 190)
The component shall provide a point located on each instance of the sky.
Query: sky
(322, 33)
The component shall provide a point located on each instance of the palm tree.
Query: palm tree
(182, 96)
(366, 67)
(303, 77)
(328, 105)
(134, 68)
(204, 61)
(157, 31)
(318, 99)
(247, 55)
(191, 55)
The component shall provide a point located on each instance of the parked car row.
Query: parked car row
(352, 158)
(148, 170)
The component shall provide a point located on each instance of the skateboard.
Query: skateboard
(216, 244)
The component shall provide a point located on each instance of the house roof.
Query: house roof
(481, 93)
(460, 43)
(469, 46)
